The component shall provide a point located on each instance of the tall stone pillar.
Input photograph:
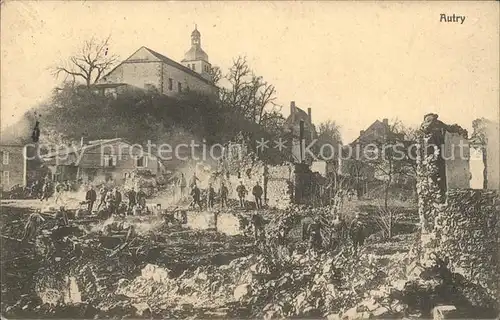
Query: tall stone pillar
(457, 223)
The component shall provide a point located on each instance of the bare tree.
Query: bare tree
(392, 161)
(329, 131)
(90, 64)
(248, 93)
(215, 74)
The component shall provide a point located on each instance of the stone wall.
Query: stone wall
(456, 224)
(467, 232)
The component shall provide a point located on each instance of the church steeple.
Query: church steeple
(196, 59)
(196, 37)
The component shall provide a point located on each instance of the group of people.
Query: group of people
(339, 232)
(257, 193)
(111, 201)
(222, 194)
(45, 188)
(319, 234)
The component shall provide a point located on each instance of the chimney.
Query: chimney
(362, 132)
(309, 114)
(292, 111)
(301, 138)
(385, 121)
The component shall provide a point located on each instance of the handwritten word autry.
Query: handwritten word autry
(453, 18)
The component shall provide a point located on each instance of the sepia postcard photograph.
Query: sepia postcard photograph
(334, 160)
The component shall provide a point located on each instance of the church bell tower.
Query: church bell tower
(195, 58)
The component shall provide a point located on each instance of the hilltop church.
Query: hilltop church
(149, 70)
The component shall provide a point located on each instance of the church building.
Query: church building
(149, 70)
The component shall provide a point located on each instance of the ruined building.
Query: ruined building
(457, 223)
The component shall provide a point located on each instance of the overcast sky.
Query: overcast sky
(352, 62)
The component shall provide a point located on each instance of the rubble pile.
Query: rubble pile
(83, 264)
(307, 284)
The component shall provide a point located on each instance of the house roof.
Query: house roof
(298, 115)
(108, 85)
(376, 124)
(90, 145)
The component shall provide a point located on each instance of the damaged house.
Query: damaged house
(108, 159)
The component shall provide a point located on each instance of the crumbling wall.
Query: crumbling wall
(429, 189)
(277, 183)
(456, 224)
(278, 186)
(466, 230)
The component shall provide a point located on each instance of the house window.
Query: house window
(141, 162)
(124, 153)
(6, 178)
(170, 84)
(109, 161)
(194, 67)
(5, 157)
(179, 87)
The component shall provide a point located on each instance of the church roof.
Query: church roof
(168, 61)
(173, 63)
(195, 53)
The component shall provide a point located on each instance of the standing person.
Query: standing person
(242, 192)
(258, 227)
(182, 185)
(257, 193)
(306, 227)
(131, 195)
(91, 197)
(223, 194)
(60, 188)
(110, 202)
(210, 196)
(141, 198)
(216, 219)
(337, 232)
(195, 193)
(102, 197)
(356, 231)
(315, 240)
(117, 199)
(46, 191)
(193, 181)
